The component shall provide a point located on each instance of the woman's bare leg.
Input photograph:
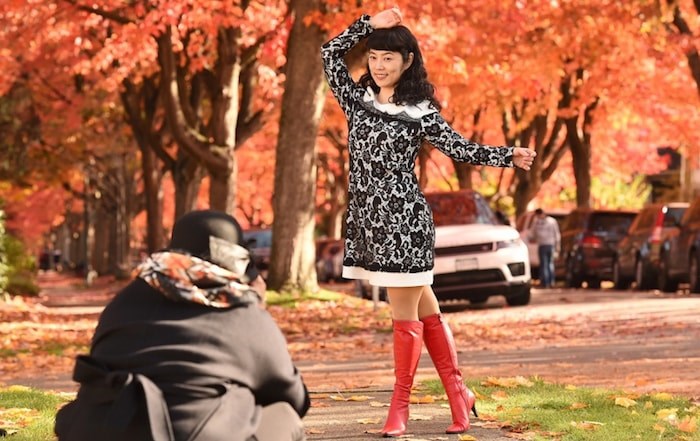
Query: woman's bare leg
(428, 303)
(404, 302)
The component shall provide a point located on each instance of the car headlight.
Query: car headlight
(508, 243)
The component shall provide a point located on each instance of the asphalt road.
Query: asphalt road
(643, 341)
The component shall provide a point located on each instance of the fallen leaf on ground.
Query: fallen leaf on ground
(625, 402)
(587, 425)
(419, 417)
(688, 425)
(378, 404)
(369, 420)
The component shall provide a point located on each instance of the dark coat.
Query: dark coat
(164, 370)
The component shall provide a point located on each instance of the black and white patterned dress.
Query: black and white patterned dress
(390, 236)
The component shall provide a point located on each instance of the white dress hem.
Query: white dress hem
(391, 280)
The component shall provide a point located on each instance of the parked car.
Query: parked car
(259, 242)
(476, 256)
(637, 258)
(589, 239)
(523, 224)
(680, 253)
(329, 260)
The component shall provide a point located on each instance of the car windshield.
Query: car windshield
(460, 208)
(617, 223)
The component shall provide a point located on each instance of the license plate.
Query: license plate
(466, 264)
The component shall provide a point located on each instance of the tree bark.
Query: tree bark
(692, 53)
(293, 252)
(544, 135)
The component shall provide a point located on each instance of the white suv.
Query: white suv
(476, 256)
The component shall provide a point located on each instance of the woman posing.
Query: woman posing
(389, 228)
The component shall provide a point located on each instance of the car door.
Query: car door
(631, 242)
(687, 237)
(571, 229)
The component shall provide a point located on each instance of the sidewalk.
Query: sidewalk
(358, 420)
(328, 419)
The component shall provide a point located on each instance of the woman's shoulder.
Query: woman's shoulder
(412, 111)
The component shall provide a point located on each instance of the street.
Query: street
(630, 340)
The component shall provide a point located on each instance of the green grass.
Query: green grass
(51, 347)
(290, 299)
(29, 426)
(549, 410)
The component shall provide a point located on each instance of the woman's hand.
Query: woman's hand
(386, 19)
(523, 158)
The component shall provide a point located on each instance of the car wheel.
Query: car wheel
(572, 279)
(619, 281)
(642, 278)
(694, 273)
(520, 299)
(478, 300)
(665, 282)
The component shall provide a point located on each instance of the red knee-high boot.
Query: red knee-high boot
(441, 347)
(408, 341)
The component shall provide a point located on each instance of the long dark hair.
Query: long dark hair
(413, 86)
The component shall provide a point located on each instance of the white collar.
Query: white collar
(414, 111)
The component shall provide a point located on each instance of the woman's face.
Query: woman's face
(386, 67)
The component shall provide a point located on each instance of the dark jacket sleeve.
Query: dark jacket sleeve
(279, 379)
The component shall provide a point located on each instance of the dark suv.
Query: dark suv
(589, 239)
(680, 253)
(637, 258)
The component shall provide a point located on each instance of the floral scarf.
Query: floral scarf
(184, 278)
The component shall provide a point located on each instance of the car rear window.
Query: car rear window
(460, 208)
(611, 222)
(258, 239)
(673, 216)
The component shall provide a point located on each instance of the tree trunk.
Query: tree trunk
(293, 251)
(578, 132)
(152, 179)
(187, 177)
(692, 51)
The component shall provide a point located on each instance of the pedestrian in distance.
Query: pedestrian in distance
(390, 233)
(545, 233)
(186, 350)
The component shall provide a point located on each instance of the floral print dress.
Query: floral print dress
(390, 236)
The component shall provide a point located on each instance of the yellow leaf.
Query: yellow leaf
(466, 438)
(499, 395)
(688, 425)
(659, 428)
(624, 402)
(648, 405)
(662, 396)
(578, 406)
(419, 417)
(665, 414)
(337, 398)
(359, 398)
(369, 420)
(377, 404)
(570, 387)
(425, 399)
(18, 388)
(587, 425)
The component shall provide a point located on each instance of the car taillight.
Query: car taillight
(591, 242)
(656, 232)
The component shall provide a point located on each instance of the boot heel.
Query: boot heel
(474, 411)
